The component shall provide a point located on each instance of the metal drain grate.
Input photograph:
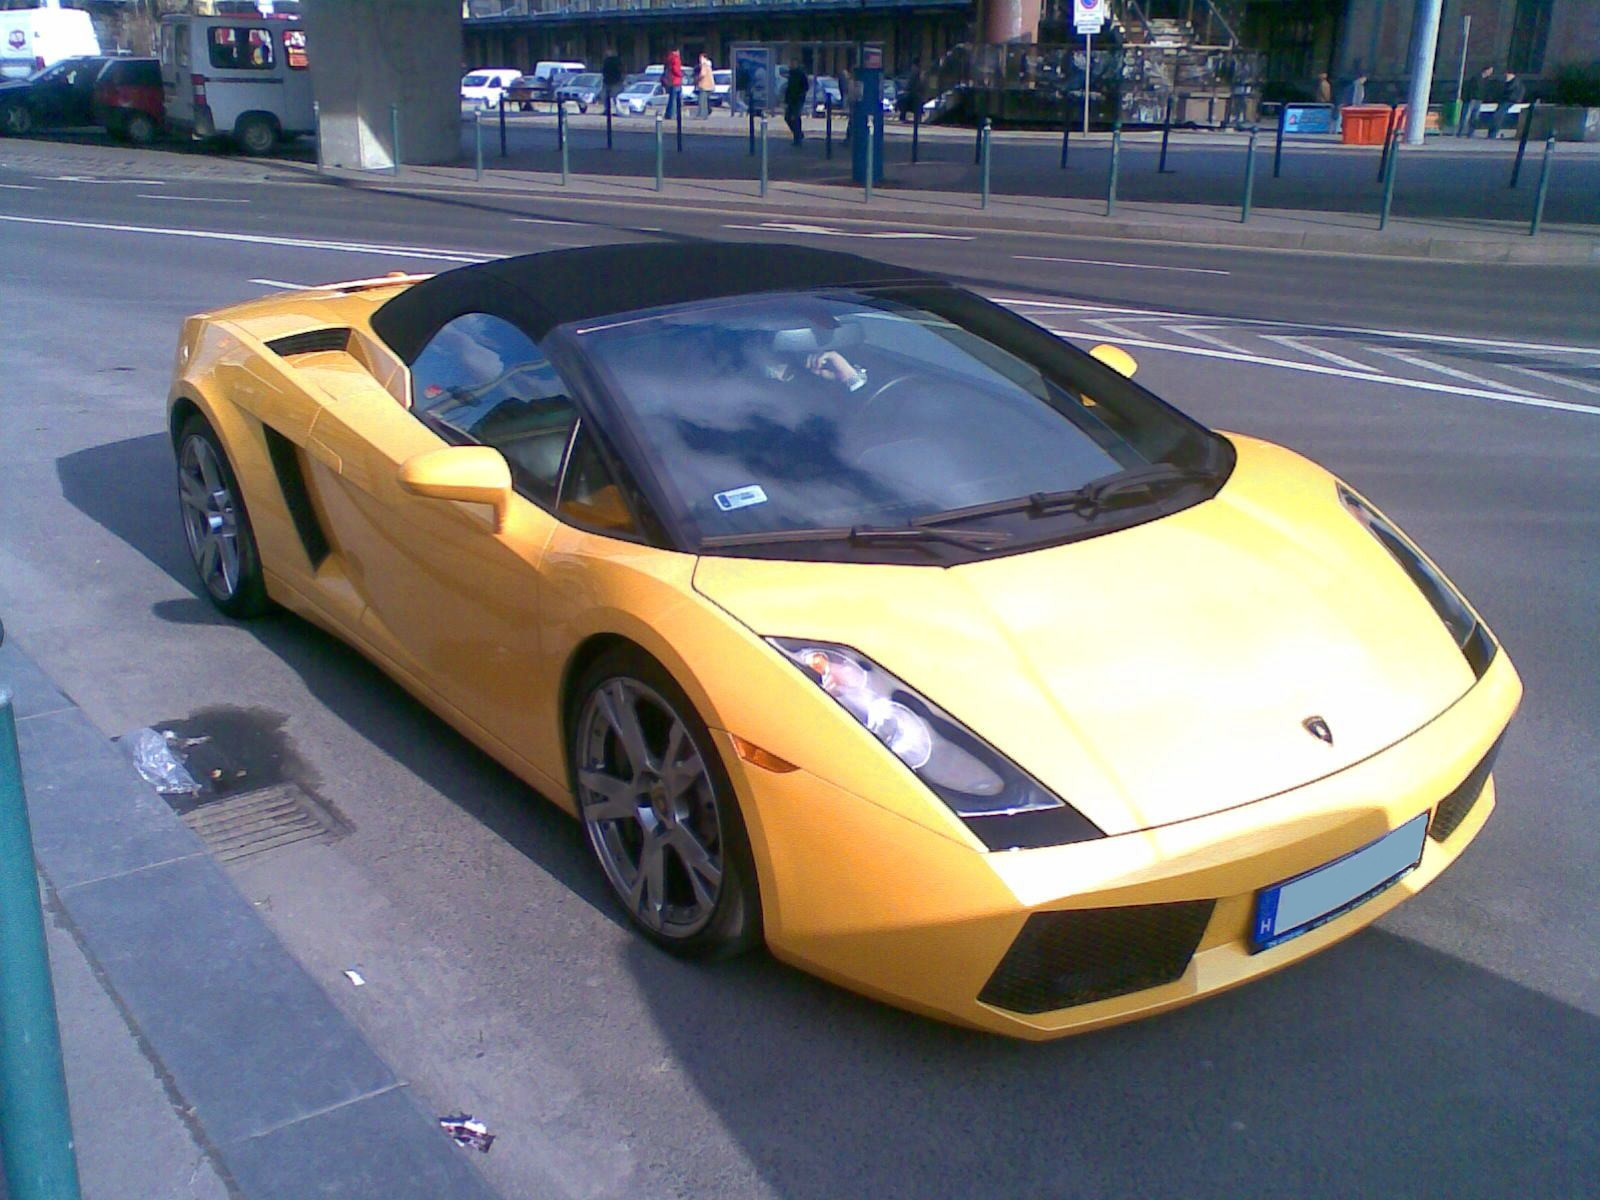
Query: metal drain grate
(254, 822)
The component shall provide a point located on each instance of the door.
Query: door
(453, 600)
(243, 73)
(297, 115)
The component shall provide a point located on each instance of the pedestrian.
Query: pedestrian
(1473, 96)
(1512, 93)
(911, 93)
(794, 100)
(611, 75)
(705, 83)
(672, 80)
(847, 97)
(1358, 89)
(742, 83)
(1324, 92)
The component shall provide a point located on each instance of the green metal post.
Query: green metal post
(35, 1121)
(316, 119)
(1116, 158)
(983, 192)
(763, 154)
(1249, 177)
(477, 123)
(566, 156)
(394, 139)
(659, 164)
(1388, 184)
(1544, 186)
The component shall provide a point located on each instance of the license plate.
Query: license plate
(1296, 905)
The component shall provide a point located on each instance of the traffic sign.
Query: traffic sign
(1088, 16)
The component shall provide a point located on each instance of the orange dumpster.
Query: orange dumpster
(1368, 124)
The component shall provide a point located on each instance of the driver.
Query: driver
(829, 365)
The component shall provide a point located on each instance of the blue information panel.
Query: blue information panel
(1308, 118)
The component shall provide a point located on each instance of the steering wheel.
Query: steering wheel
(896, 388)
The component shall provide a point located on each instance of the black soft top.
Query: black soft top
(537, 292)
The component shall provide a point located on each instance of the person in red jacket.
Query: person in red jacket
(672, 80)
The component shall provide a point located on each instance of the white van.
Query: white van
(242, 77)
(483, 86)
(41, 35)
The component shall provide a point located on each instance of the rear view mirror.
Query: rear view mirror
(474, 474)
(1115, 357)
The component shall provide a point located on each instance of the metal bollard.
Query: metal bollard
(1066, 130)
(1522, 142)
(566, 161)
(1388, 184)
(916, 126)
(677, 106)
(561, 124)
(1249, 177)
(35, 1120)
(1277, 151)
(503, 152)
(1111, 179)
(1166, 133)
(609, 106)
(394, 139)
(985, 135)
(1544, 186)
(659, 167)
(316, 121)
(827, 109)
(872, 167)
(752, 113)
(1389, 136)
(763, 154)
(477, 130)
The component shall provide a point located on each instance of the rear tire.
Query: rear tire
(659, 810)
(216, 525)
(139, 128)
(17, 120)
(258, 136)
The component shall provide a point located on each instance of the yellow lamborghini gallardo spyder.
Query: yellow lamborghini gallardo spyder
(852, 613)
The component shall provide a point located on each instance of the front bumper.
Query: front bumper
(866, 898)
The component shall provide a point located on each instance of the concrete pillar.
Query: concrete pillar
(369, 54)
(1425, 38)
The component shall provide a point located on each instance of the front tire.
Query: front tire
(257, 135)
(17, 120)
(659, 810)
(139, 129)
(222, 544)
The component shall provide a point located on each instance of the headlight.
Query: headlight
(999, 801)
(1468, 632)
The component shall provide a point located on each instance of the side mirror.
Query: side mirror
(1118, 359)
(474, 474)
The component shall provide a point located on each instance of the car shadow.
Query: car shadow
(113, 484)
(1380, 1068)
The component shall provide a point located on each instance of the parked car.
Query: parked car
(484, 86)
(522, 93)
(636, 97)
(38, 36)
(127, 99)
(57, 96)
(242, 77)
(722, 82)
(549, 75)
(825, 91)
(582, 90)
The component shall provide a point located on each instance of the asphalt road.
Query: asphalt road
(1449, 1051)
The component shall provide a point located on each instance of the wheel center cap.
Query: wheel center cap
(655, 793)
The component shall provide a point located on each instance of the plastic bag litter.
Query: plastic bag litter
(468, 1131)
(157, 762)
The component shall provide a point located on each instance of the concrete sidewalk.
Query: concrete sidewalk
(925, 210)
(202, 1060)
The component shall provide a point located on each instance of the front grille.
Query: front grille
(1065, 958)
(1453, 809)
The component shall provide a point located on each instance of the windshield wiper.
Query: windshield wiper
(1087, 501)
(967, 539)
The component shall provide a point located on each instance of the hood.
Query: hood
(1156, 674)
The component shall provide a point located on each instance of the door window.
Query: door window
(240, 48)
(482, 380)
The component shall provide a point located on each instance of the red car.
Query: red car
(127, 99)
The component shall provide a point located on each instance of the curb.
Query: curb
(278, 1087)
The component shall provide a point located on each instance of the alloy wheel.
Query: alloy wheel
(210, 517)
(650, 807)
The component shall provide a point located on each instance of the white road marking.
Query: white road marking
(1365, 376)
(19, 187)
(1424, 364)
(828, 231)
(1197, 332)
(1100, 262)
(1112, 327)
(1304, 346)
(284, 285)
(261, 239)
(541, 221)
(1022, 302)
(97, 179)
(1548, 377)
(189, 199)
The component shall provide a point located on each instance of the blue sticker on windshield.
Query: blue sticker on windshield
(742, 497)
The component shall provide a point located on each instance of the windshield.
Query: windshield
(834, 410)
(475, 81)
(586, 81)
(641, 89)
